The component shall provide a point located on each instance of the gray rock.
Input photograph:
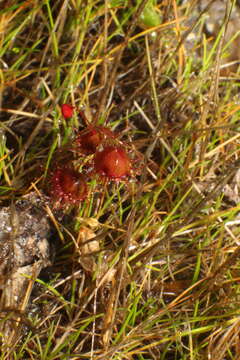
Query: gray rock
(24, 252)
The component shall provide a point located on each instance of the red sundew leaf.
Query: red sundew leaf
(112, 162)
(68, 186)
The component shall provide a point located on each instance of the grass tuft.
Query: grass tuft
(146, 268)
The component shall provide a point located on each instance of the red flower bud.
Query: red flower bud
(67, 111)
